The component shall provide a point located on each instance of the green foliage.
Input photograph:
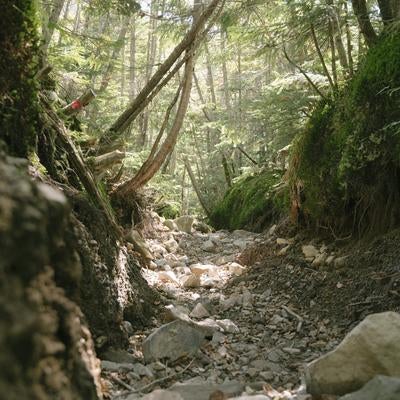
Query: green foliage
(18, 65)
(170, 210)
(251, 203)
(347, 159)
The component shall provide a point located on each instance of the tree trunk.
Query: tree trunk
(48, 29)
(149, 169)
(225, 74)
(118, 45)
(210, 77)
(150, 60)
(349, 41)
(132, 61)
(144, 175)
(131, 113)
(321, 57)
(361, 12)
(196, 188)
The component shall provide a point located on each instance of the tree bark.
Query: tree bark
(149, 169)
(115, 53)
(361, 12)
(48, 30)
(321, 57)
(196, 188)
(132, 61)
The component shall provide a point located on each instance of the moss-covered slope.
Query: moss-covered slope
(345, 167)
(251, 203)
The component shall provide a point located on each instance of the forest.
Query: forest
(199, 199)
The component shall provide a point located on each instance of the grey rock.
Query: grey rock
(118, 356)
(115, 367)
(161, 394)
(203, 391)
(170, 224)
(142, 370)
(379, 388)
(208, 246)
(173, 341)
(340, 262)
(371, 348)
(199, 311)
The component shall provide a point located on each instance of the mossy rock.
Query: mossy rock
(251, 203)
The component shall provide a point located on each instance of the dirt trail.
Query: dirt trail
(261, 337)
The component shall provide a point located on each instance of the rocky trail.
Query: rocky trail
(225, 328)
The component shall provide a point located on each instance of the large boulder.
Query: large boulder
(173, 341)
(184, 223)
(371, 348)
(379, 388)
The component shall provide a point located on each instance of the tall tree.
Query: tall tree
(361, 12)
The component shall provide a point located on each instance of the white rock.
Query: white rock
(184, 223)
(310, 251)
(199, 311)
(227, 325)
(168, 276)
(236, 269)
(200, 269)
(283, 252)
(191, 281)
(170, 224)
(320, 259)
(371, 348)
(171, 245)
(329, 260)
(282, 241)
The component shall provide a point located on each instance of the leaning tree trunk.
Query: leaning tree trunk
(137, 105)
(146, 174)
(152, 166)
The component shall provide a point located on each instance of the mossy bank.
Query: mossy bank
(345, 165)
(251, 203)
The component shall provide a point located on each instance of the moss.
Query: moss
(169, 210)
(251, 203)
(18, 66)
(347, 160)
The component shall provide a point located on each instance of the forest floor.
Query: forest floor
(273, 301)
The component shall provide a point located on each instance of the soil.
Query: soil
(369, 281)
